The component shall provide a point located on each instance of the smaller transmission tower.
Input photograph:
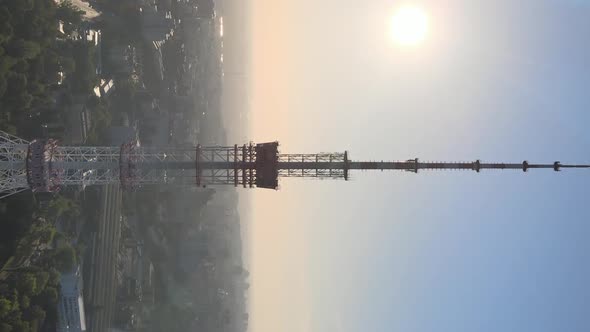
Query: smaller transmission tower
(45, 166)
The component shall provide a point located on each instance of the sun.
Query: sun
(409, 26)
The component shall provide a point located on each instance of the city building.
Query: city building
(104, 88)
(71, 316)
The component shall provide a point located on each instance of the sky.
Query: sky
(495, 80)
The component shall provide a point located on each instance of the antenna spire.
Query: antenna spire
(45, 166)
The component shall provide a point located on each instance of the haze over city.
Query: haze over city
(498, 81)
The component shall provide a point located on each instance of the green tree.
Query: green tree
(49, 296)
(26, 284)
(5, 307)
(65, 258)
(23, 49)
(47, 234)
(5, 327)
(36, 88)
(8, 128)
(22, 100)
(54, 277)
(84, 78)
(101, 118)
(6, 30)
(17, 83)
(63, 206)
(49, 63)
(93, 102)
(22, 326)
(36, 313)
(42, 279)
(24, 301)
(22, 66)
(6, 63)
(67, 65)
(22, 5)
(3, 85)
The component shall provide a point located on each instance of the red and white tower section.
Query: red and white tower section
(46, 166)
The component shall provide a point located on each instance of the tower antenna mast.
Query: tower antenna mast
(43, 165)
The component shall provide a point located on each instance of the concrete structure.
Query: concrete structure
(71, 316)
(45, 166)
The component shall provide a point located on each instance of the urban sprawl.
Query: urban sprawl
(100, 258)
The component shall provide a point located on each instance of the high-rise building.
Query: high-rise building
(71, 316)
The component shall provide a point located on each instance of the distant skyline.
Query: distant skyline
(456, 251)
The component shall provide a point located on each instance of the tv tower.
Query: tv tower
(45, 166)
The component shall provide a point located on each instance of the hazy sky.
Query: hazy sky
(496, 251)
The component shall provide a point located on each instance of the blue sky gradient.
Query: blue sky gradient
(457, 251)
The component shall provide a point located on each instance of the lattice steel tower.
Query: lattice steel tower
(45, 166)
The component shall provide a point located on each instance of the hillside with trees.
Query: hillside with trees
(35, 55)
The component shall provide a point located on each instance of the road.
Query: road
(100, 294)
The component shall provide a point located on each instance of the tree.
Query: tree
(49, 296)
(23, 49)
(26, 284)
(22, 100)
(63, 206)
(17, 83)
(22, 5)
(24, 302)
(22, 66)
(3, 86)
(54, 277)
(5, 327)
(6, 30)
(101, 118)
(22, 326)
(49, 64)
(65, 258)
(36, 88)
(36, 313)
(6, 63)
(93, 102)
(47, 234)
(67, 65)
(42, 279)
(84, 78)
(8, 128)
(5, 307)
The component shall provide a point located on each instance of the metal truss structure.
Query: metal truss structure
(13, 153)
(45, 166)
(318, 166)
(226, 165)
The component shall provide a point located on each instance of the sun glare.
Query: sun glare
(409, 26)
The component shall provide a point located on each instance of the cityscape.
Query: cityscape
(116, 72)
